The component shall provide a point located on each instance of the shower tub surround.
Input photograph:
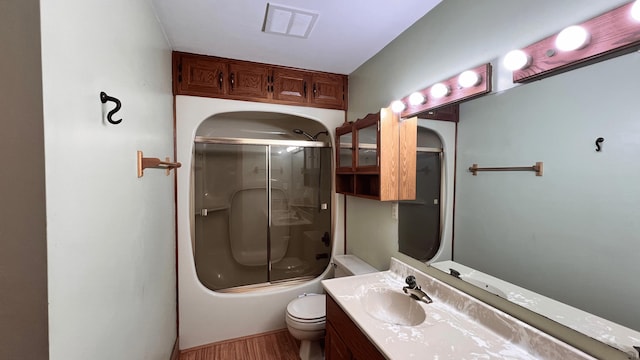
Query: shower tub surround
(456, 324)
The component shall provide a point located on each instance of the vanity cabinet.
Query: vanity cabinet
(209, 76)
(344, 340)
(376, 157)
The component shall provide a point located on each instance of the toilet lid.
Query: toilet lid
(308, 307)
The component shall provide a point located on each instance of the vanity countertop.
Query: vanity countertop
(589, 324)
(457, 326)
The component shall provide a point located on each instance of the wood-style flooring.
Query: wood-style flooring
(276, 345)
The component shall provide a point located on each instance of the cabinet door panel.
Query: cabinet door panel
(328, 90)
(248, 81)
(358, 345)
(202, 76)
(291, 85)
(335, 349)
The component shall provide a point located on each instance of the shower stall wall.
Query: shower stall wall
(262, 211)
(205, 315)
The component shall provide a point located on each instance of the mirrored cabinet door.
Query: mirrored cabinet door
(367, 145)
(345, 156)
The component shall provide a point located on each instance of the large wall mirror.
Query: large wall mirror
(571, 235)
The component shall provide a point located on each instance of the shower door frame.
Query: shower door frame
(267, 143)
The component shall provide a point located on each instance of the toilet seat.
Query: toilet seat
(308, 309)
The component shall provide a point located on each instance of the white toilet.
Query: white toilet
(306, 315)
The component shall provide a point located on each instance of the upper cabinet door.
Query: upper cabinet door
(200, 75)
(328, 90)
(248, 81)
(210, 76)
(291, 85)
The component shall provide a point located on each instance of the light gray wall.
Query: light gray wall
(110, 234)
(579, 216)
(23, 242)
(457, 35)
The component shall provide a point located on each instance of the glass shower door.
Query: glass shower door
(230, 212)
(262, 213)
(300, 211)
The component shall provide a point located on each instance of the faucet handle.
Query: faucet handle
(411, 281)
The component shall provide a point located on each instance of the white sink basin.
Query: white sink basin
(392, 307)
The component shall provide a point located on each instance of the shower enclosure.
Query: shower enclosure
(262, 211)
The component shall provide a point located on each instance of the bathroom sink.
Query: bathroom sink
(393, 307)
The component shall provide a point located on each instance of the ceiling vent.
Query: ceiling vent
(287, 21)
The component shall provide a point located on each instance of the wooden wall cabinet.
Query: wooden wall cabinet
(209, 76)
(344, 340)
(376, 157)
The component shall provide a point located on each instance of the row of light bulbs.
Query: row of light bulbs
(466, 79)
(571, 38)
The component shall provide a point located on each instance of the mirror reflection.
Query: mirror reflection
(419, 224)
(571, 235)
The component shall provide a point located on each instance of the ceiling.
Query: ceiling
(345, 35)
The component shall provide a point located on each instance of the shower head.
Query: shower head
(309, 136)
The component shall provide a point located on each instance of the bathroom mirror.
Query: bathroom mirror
(572, 234)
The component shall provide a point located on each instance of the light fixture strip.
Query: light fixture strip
(457, 95)
(614, 32)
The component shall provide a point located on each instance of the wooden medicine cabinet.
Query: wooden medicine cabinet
(376, 157)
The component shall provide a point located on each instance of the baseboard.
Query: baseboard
(175, 353)
(235, 339)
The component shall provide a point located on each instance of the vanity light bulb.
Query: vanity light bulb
(516, 60)
(635, 10)
(397, 106)
(572, 38)
(440, 90)
(468, 79)
(417, 99)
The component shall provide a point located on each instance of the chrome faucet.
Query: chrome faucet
(413, 289)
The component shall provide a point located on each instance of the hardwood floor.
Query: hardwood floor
(276, 345)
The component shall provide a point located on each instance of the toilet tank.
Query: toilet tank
(348, 265)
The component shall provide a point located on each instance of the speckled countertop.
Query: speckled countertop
(591, 325)
(457, 326)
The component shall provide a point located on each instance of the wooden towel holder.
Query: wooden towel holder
(155, 163)
(537, 168)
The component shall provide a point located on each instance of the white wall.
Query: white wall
(111, 247)
(457, 35)
(207, 316)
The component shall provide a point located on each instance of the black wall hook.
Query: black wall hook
(104, 98)
(598, 143)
